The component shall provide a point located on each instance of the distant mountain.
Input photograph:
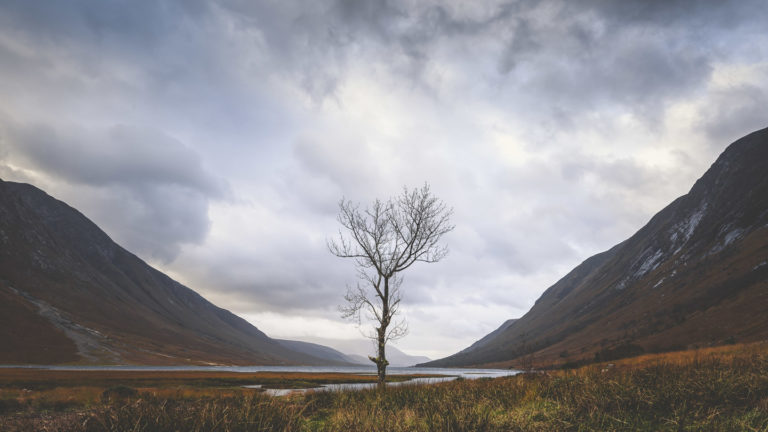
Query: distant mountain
(395, 357)
(319, 351)
(695, 275)
(358, 350)
(360, 359)
(69, 294)
(398, 358)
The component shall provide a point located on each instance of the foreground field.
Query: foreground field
(717, 389)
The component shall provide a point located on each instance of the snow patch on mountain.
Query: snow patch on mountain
(683, 231)
(730, 237)
(649, 264)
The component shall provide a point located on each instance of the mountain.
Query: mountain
(395, 357)
(695, 275)
(490, 336)
(398, 358)
(69, 294)
(358, 350)
(319, 351)
(359, 359)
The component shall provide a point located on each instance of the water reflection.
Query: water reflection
(465, 373)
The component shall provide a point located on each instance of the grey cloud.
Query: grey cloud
(648, 72)
(623, 173)
(583, 64)
(633, 55)
(578, 199)
(289, 276)
(733, 112)
(670, 13)
(523, 252)
(376, 16)
(174, 63)
(122, 155)
(316, 42)
(587, 45)
(153, 221)
(85, 24)
(148, 188)
(523, 43)
(344, 160)
(594, 53)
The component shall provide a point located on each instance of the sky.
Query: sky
(215, 138)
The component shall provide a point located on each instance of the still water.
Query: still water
(357, 386)
(447, 374)
(360, 370)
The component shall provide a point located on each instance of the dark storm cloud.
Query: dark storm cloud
(638, 75)
(623, 52)
(733, 112)
(587, 56)
(635, 55)
(146, 186)
(317, 41)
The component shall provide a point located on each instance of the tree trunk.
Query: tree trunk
(381, 364)
(381, 337)
(381, 358)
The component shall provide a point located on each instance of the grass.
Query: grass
(42, 379)
(707, 390)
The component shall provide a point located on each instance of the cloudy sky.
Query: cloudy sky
(214, 138)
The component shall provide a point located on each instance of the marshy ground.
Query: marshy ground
(715, 389)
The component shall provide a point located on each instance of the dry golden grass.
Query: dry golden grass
(717, 389)
(44, 378)
(723, 352)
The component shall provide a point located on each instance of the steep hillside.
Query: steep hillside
(695, 275)
(490, 336)
(68, 293)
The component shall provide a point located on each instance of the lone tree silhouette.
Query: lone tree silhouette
(385, 239)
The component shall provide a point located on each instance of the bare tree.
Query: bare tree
(385, 239)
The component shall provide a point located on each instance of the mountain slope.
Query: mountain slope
(398, 358)
(696, 274)
(318, 351)
(70, 294)
(395, 357)
(358, 350)
(490, 336)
